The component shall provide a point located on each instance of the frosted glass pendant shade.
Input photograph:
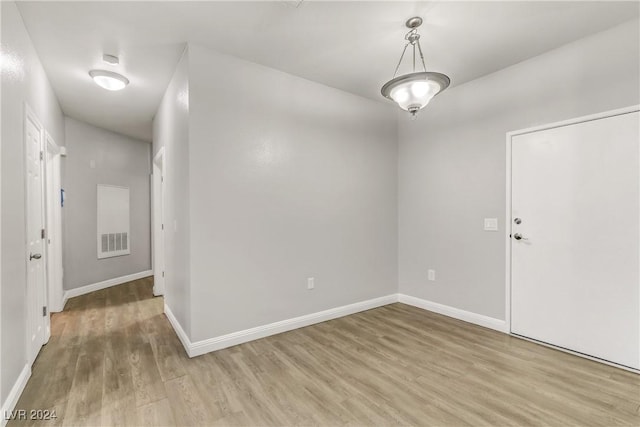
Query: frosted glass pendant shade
(413, 91)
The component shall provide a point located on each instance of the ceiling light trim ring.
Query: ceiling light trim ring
(443, 80)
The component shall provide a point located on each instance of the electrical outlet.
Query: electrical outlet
(311, 283)
(431, 275)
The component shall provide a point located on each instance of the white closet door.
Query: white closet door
(575, 271)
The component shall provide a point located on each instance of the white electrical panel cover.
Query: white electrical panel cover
(113, 221)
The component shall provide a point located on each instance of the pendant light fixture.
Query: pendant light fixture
(414, 90)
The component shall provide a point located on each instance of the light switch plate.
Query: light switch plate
(491, 224)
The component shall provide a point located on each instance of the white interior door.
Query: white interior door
(35, 241)
(575, 237)
(158, 223)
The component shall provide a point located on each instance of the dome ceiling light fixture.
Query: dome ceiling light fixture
(109, 80)
(414, 90)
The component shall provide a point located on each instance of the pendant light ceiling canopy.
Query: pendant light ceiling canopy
(413, 91)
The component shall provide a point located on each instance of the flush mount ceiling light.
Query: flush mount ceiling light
(414, 90)
(108, 79)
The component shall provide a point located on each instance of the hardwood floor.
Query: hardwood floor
(113, 359)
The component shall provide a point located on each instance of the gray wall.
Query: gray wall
(119, 160)
(171, 131)
(452, 161)
(293, 180)
(23, 80)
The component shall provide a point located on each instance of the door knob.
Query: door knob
(517, 220)
(34, 256)
(518, 236)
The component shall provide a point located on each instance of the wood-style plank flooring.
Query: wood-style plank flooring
(113, 359)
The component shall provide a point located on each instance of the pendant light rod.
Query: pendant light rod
(421, 57)
(414, 58)
(400, 61)
(413, 39)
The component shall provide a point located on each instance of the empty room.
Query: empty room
(307, 212)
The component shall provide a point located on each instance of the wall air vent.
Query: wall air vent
(114, 242)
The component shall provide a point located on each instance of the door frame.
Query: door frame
(508, 215)
(157, 217)
(1, 391)
(53, 225)
(33, 306)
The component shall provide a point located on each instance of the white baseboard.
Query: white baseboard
(75, 292)
(218, 343)
(57, 306)
(182, 335)
(12, 399)
(456, 313)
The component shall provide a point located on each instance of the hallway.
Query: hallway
(110, 360)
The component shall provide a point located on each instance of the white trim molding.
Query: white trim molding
(177, 327)
(75, 292)
(456, 313)
(17, 389)
(218, 343)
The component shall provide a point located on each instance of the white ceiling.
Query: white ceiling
(352, 46)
